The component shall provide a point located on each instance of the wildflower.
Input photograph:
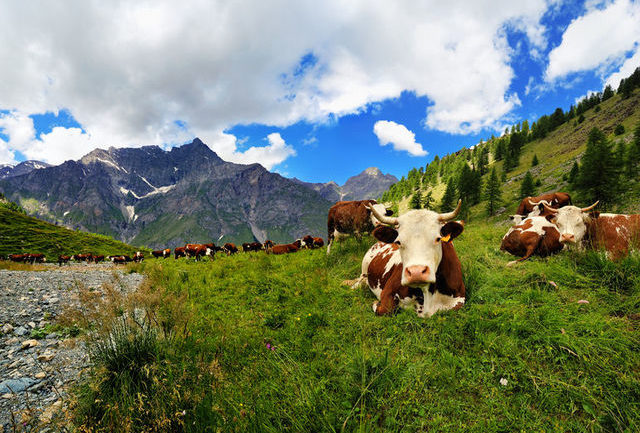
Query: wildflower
(503, 381)
(297, 318)
(309, 314)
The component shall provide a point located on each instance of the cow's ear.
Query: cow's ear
(389, 212)
(541, 207)
(594, 214)
(385, 234)
(452, 229)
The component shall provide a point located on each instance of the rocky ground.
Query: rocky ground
(37, 365)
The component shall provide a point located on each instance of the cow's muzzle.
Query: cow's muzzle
(418, 274)
(564, 238)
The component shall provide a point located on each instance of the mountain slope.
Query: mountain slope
(166, 198)
(370, 184)
(20, 233)
(8, 170)
(556, 153)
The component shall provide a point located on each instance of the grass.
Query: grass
(20, 234)
(276, 343)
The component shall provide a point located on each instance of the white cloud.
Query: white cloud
(599, 39)
(625, 70)
(398, 136)
(6, 155)
(225, 145)
(128, 71)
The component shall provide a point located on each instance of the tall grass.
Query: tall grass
(277, 343)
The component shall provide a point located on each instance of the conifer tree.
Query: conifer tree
(527, 188)
(573, 174)
(448, 199)
(633, 154)
(598, 178)
(534, 161)
(416, 201)
(492, 193)
(427, 201)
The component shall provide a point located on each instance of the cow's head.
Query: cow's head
(419, 234)
(516, 219)
(571, 222)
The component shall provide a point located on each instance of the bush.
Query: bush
(619, 129)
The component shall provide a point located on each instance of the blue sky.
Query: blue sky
(314, 92)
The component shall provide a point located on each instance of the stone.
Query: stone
(20, 331)
(32, 324)
(49, 412)
(46, 357)
(29, 343)
(7, 328)
(16, 385)
(40, 375)
(51, 336)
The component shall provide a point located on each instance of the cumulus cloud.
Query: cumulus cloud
(599, 39)
(128, 71)
(398, 136)
(225, 145)
(625, 70)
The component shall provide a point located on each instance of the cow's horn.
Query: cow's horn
(534, 203)
(382, 218)
(450, 215)
(587, 209)
(549, 208)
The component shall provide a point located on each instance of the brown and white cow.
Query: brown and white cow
(179, 252)
(555, 200)
(285, 248)
(97, 259)
(138, 257)
(268, 244)
(230, 248)
(81, 257)
(615, 233)
(414, 265)
(534, 235)
(63, 260)
(161, 253)
(352, 218)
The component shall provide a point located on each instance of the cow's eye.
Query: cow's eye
(438, 239)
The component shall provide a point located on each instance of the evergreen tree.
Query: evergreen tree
(608, 92)
(598, 178)
(527, 188)
(503, 176)
(619, 129)
(492, 193)
(449, 198)
(573, 174)
(534, 161)
(427, 201)
(633, 154)
(416, 201)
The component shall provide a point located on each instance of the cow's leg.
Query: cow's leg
(531, 248)
(387, 302)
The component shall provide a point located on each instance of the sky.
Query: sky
(314, 90)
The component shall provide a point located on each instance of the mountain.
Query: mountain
(9, 170)
(370, 184)
(149, 196)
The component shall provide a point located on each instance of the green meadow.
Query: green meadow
(265, 343)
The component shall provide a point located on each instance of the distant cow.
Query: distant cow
(63, 259)
(161, 253)
(555, 200)
(318, 242)
(138, 257)
(81, 257)
(230, 248)
(268, 244)
(199, 250)
(615, 233)
(35, 258)
(97, 259)
(17, 257)
(285, 248)
(352, 217)
(251, 247)
(414, 264)
(179, 252)
(534, 235)
(311, 242)
(120, 260)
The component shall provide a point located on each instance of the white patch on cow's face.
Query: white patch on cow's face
(570, 220)
(381, 209)
(419, 239)
(516, 219)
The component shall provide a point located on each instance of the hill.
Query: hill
(149, 196)
(20, 233)
(556, 152)
(369, 184)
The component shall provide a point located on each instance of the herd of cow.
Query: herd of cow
(414, 264)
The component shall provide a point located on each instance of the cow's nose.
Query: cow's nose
(567, 238)
(417, 274)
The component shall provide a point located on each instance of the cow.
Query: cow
(318, 242)
(251, 247)
(120, 259)
(268, 244)
(352, 217)
(81, 257)
(534, 235)
(230, 248)
(198, 250)
(555, 199)
(614, 233)
(311, 242)
(179, 252)
(285, 248)
(63, 260)
(35, 258)
(414, 264)
(138, 257)
(17, 257)
(97, 259)
(161, 253)
(537, 210)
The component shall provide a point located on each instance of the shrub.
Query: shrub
(619, 129)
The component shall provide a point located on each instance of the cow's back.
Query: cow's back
(616, 233)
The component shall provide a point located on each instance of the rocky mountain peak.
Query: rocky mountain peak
(372, 171)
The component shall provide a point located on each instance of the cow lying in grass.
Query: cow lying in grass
(414, 265)
(614, 233)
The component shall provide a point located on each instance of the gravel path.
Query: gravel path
(34, 373)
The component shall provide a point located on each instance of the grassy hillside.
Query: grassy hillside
(20, 233)
(556, 153)
(277, 343)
